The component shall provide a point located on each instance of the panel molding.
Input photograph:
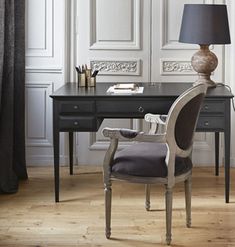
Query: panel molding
(44, 70)
(116, 67)
(133, 44)
(47, 49)
(45, 140)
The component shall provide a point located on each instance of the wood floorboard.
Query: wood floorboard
(32, 218)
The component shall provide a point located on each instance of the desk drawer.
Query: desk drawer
(213, 106)
(78, 123)
(77, 107)
(210, 122)
(133, 107)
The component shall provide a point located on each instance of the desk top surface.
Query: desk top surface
(173, 89)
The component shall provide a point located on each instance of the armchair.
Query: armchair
(161, 156)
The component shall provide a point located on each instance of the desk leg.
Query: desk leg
(227, 133)
(227, 163)
(71, 153)
(56, 141)
(217, 153)
(56, 165)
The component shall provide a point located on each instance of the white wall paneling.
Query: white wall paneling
(38, 114)
(45, 54)
(162, 58)
(39, 27)
(128, 41)
(113, 37)
(109, 29)
(110, 35)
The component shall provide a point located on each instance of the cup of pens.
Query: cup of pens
(86, 78)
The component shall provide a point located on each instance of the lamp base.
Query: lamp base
(205, 78)
(204, 62)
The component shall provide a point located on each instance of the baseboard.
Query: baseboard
(45, 160)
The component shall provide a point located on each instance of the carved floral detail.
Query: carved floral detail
(177, 66)
(115, 66)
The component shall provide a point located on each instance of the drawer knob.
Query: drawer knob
(206, 107)
(141, 109)
(206, 123)
(75, 107)
(76, 123)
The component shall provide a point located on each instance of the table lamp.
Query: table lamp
(205, 24)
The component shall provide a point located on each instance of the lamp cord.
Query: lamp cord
(230, 90)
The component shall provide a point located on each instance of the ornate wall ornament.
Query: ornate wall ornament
(109, 67)
(177, 67)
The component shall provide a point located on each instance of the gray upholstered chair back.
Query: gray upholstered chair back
(186, 122)
(182, 119)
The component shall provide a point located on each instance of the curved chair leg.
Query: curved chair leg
(147, 198)
(188, 189)
(108, 201)
(168, 197)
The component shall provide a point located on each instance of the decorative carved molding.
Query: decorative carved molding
(177, 67)
(116, 67)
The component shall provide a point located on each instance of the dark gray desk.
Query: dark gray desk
(83, 110)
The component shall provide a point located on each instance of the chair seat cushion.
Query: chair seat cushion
(147, 160)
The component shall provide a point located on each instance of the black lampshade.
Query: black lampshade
(205, 24)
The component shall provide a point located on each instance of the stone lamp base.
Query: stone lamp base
(204, 62)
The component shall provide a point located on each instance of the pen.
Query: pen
(78, 70)
(95, 73)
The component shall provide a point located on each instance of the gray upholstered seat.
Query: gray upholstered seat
(147, 160)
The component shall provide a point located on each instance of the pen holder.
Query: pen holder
(91, 81)
(88, 73)
(85, 76)
(82, 80)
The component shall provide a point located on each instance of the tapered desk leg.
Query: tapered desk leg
(227, 133)
(227, 163)
(56, 141)
(71, 153)
(56, 165)
(217, 153)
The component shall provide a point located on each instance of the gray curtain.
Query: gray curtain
(12, 94)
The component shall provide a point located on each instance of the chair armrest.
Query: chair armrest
(155, 118)
(128, 134)
(157, 122)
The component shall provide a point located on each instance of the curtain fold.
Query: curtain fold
(12, 94)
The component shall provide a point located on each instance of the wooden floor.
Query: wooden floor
(31, 218)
